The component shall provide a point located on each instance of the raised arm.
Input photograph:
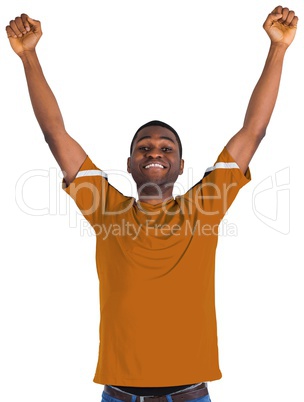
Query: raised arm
(280, 26)
(24, 34)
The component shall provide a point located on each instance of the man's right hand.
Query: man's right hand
(23, 33)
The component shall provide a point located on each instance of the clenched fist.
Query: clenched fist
(23, 33)
(281, 25)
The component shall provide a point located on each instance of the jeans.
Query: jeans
(108, 398)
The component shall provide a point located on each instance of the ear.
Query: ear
(129, 165)
(181, 167)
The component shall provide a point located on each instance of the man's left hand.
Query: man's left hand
(281, 25)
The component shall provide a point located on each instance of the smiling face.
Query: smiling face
(155, 160)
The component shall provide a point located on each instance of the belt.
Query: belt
(180, 396)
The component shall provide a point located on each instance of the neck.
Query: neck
(153, 196)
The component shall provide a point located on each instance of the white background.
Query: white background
(114, 66)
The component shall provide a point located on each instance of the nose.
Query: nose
(154, 153)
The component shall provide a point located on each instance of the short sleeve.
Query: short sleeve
(92, 193)
(214, 194)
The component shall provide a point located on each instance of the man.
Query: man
(155, 256)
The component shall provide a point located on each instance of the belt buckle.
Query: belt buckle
(147, 398)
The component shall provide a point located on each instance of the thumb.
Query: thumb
(31, 21)
(34, 25)
(276, 16)
(272, 17)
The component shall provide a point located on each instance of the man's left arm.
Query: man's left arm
(280, 26)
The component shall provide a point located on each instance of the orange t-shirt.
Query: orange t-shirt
(156, 269)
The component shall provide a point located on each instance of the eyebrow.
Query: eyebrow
(149, 136)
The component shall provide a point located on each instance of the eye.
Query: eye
(166, 149)
(144, 148)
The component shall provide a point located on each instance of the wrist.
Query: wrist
(279, 45)
(27, 55)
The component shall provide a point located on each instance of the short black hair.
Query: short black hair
(161, 124)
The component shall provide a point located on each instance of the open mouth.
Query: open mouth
(154, 165)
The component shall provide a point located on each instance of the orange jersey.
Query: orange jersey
(156, 269)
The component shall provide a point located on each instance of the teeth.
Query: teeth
(154, 165)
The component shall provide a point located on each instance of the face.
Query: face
(155, 157)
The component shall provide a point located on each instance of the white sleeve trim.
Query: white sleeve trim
(87, 173)
(223, 165)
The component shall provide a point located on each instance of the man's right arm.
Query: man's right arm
(24, 34)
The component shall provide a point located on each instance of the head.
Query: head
(155, 155)
(159, 124)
